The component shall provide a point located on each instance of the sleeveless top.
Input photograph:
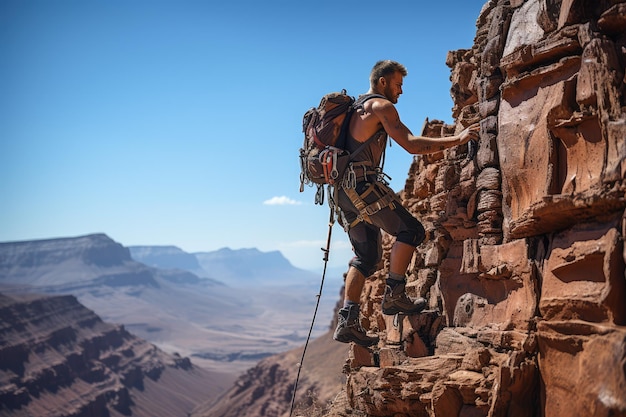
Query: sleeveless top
(373, 152)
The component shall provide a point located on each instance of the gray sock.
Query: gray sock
(394, 280)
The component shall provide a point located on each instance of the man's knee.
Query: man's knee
(412, 236)
(367, 266)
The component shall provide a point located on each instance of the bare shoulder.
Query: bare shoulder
(377, 103)
(369, 118)
(382, 106)
(385, 111)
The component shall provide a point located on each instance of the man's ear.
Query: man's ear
(382, 81)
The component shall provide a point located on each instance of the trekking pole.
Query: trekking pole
(317, 304)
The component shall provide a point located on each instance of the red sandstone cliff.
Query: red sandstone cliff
(524, 266)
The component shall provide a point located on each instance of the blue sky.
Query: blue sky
(179, 122)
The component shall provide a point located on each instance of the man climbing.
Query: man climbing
(368, 205)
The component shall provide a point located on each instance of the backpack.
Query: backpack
(323, 158)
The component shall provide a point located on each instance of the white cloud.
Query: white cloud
(281, 201)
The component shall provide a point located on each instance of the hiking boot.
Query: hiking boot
(396, 301)
(349, 329)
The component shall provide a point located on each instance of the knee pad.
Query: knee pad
(367, 260)
(412, 236)
(365, 268)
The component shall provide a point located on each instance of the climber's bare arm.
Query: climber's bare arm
(388, 116)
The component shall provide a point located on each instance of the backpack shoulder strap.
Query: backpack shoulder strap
(360, 101)
(356, 104)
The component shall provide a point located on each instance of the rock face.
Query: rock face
(524, 265)
(57, 358)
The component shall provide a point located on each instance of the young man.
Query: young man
(368, 205)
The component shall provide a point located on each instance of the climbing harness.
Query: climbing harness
(385, 196)
(387, 199)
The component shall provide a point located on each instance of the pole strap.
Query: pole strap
(317, 304)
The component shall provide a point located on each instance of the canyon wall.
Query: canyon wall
(59, 359)
(523, 266)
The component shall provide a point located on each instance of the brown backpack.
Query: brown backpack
(323, 158)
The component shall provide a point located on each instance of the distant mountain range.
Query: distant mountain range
(166, 257)
(226, 309)
(55, 265)
(240, 267)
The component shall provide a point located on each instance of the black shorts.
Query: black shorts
(365, 237)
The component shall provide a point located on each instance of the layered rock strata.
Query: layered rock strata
(524, 266)
(58, 359)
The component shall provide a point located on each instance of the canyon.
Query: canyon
(58, 358)
(524, 266)
(224, 327)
